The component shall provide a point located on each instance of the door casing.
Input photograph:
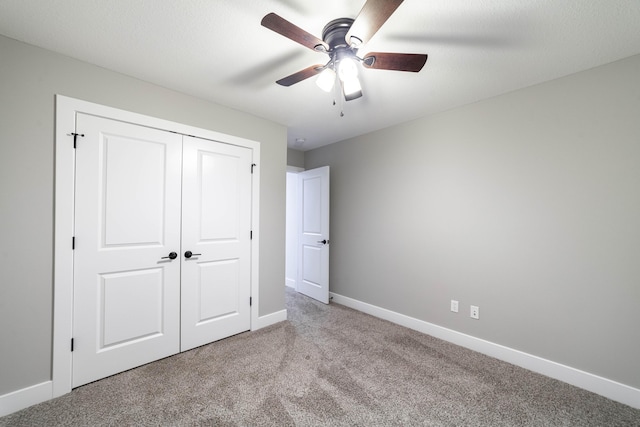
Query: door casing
(66, 109)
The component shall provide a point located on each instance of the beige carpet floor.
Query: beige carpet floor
(328, 366)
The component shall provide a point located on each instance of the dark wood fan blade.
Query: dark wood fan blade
(374, 13)
(300, 75)
(395, 61)
(282, 26)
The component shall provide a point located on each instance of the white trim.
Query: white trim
(605, 387)
(66, 109)
(63, 257)
(269, 319)
(291, 229)
(23, 398)
(255, 240)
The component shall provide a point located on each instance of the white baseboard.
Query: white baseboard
(269, 319)
(23, 398)
(290, 282)
(608, 388)
(20, 399)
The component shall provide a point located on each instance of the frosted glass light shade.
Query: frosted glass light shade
(352, 88)
(326, 79)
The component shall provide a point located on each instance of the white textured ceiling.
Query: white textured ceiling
(217, 50)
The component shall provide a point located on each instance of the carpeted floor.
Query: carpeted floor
(328, 365)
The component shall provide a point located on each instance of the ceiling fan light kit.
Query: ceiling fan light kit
(351, 89)
(341, 39)
(326, 80)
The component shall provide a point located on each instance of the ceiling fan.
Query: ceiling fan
(341, 39)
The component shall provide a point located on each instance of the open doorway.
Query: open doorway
(291, 257)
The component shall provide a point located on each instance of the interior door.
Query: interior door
(216, 241)
(313, 239)
(127, 223)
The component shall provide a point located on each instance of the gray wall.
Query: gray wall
(29, 78)
(527, 204)
(295, 158)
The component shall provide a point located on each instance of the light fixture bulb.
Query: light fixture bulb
(347, 69)
(326, 79)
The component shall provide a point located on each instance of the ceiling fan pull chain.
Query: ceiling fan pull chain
(341, 97)
(336, 89)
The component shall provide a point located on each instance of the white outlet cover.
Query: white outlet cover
(474, 312)
(454, 306)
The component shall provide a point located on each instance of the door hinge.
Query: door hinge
(75, 137)
(73, 243)
(250, 301)
(251, 235)
(71, 344)
(253, 165)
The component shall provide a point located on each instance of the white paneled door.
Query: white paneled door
(135, 220)
(216, 241)
(313, 238)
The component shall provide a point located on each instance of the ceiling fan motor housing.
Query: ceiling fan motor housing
(334, 33)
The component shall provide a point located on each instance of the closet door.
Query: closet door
(216, 227)
(126, 284)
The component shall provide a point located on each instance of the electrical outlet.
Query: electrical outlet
(454, 306)
(474, 312)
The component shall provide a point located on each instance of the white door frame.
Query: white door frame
(66, 109)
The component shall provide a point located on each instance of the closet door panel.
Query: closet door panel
(127, 222)
(216, 226)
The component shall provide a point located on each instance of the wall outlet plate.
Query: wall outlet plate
(454, 306)
(474, 313)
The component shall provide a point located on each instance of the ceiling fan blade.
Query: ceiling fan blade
(395, 61)
(374, 13)
(282, 26)
(301, 75)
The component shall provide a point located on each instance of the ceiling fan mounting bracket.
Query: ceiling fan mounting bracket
(369, 61)
(355, 42)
